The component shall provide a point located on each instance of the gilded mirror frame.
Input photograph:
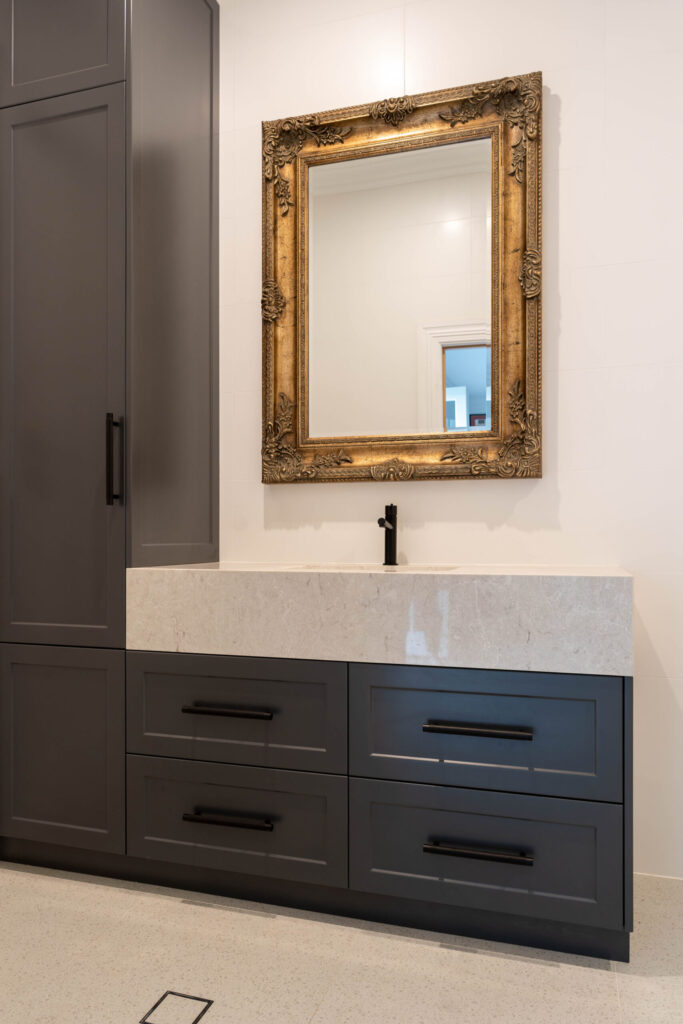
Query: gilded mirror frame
(508, 111)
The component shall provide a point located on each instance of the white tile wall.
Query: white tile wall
(612, 492)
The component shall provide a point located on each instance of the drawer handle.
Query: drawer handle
(475, 853)
(498, 732)
(201, 707)
(229, 820)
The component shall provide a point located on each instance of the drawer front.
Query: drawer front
(524, 732)
(256, 821)
(254, 711)
(528, 855)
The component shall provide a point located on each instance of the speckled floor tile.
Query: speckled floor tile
(81, 950)
(651, 985)
(77, 951)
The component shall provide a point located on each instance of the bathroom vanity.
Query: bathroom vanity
(444, 748)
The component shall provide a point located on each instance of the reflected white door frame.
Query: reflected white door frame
(431, 341)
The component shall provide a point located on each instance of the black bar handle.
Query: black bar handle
(229, 821)
(201, 707)
(476, 853)
(120, 423)
(110, 458)
(111, 423)
(498, 732)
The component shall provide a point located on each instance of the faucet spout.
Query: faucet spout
(389, 523)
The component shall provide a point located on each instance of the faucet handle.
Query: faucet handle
(385, 523)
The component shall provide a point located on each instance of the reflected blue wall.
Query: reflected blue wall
(469, 366)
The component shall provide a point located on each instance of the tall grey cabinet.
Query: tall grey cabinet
(108, 382)
(63, 266)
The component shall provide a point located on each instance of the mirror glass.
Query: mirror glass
(399, 303)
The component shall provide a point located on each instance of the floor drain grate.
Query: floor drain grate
(176, 1008)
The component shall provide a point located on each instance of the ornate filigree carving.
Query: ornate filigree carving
(509, 111)
(519, 455)
(517, 100)
(281, 462)
(394, 469)
(530, 276)
(394, 110)
(282, 141)
(273, 301)
(283, 193)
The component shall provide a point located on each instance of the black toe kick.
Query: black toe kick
(298, 896)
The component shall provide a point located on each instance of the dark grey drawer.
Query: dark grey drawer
(257, 821)
(529, 855)
(260, 711)
(527, 732)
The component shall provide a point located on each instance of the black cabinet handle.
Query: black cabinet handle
(476, 853)
(498, 732)
(112, 424)
(201, 707)
(229, 820)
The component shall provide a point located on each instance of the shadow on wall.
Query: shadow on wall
(658, 726)
(525, 505)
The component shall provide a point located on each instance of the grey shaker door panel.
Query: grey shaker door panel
(63, 759)
(51, 47)
(251, 820)
(62, 327)
(255, 711)
(173, 283)
(561, 734)
(571, 850)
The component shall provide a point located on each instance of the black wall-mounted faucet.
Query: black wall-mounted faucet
(389, 523)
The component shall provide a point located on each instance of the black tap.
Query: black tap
(389, 523)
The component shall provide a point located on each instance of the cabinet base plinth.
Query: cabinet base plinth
(524, 931)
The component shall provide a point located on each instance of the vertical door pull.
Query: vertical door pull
(113, 424)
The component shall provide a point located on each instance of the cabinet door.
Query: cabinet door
(63, 762)
(173, 283)
(51, 47)
(62, 335)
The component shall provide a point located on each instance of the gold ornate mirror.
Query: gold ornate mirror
(402, 288)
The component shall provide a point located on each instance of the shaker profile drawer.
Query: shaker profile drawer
(255, 821)
(526, 732)
(531, 855)
(254, 711)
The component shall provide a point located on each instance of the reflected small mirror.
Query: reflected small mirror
(399, 298)
(467, 387)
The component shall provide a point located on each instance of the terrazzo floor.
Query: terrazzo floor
(80, 950)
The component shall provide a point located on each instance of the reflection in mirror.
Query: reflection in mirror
(467, 387)
(399, 302)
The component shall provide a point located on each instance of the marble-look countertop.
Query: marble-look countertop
(526, 618)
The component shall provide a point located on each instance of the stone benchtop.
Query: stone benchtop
(525, 618)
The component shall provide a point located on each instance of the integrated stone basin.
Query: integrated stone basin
(526, 618)
(370, 568)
